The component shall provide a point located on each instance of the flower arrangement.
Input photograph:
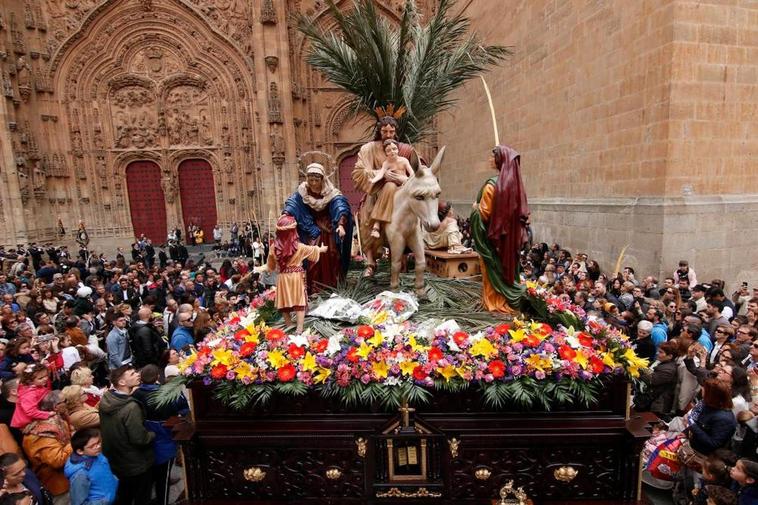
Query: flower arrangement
(524, 362)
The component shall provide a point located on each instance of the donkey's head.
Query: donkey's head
(423, 191)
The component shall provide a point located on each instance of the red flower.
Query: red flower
(460, 337)
(247, 349)
(286, 373)
(531, 341)
(365, 331)
(566, 352)
(398, 306)
(352, 355)
(585, 340)
(435, 354)
(218, 372)
(204, 351)
(502, 329)
(418, 373)
(295, 351)
(596, 364)
(241, 334)
(234, 320)
(274, 334)
(496, 368)
(320, 345)
(544, 329)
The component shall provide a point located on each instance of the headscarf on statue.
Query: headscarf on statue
(507, 229)
(302, 205)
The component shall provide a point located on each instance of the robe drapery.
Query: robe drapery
(320, 226)
(498, 226)
(290, 281)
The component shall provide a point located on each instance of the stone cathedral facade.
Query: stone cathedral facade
(142, 115)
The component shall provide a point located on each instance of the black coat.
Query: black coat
(713, 430)
(662, 383)
(146, 343)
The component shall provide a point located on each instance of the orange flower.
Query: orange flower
(241, 334)
(320, 345)
(247, 349)
(435, 354)
(218, 372)
(295, 351)
(544, 329)
(531, 341)
(585, 339)
(286, 373)
(365, 331)
(566, 352)
(274, 334)
(502, 329)
(460, 337)
(596, 364)
(352, 355)
(496, 368)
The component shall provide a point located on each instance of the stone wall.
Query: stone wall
(636, 125)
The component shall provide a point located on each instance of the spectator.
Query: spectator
(715, 317)
(46, 444)
(698, 296)
(35, 385)
(662, 380)
(88, 471)
(82, 376)
(745, 476)
(685, 271)
(716, 424)
(20, 479)
(80, 415)
(146, 342)
(182, 337)
(119, 352)
(126, 442)
(659, 333)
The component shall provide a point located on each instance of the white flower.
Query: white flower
(299, 340)
(334, 344)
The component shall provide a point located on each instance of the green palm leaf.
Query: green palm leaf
(412, 65)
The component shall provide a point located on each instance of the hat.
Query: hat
(57, 276)
(315, 168)
(699, 287)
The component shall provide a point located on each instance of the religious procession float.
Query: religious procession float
(407, 388)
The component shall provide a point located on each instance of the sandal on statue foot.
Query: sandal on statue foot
(369, 272)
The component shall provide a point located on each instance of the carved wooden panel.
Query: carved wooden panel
(198, 195)
(146, 201)
(346, 181)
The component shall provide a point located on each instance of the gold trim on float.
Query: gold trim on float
(422, 492)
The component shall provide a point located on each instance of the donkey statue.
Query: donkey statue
(415, 205)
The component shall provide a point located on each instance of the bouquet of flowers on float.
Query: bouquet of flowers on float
(526, 363)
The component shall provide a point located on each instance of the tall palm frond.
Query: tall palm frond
(412, 65)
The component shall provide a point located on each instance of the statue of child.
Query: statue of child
(395, 171)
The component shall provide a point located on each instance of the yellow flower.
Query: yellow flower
(277, 359)
(223, 357)
(531, 285)
(243, 369)
(518, 335)
(187, 362)
(364, 350)
(416, 346)
(538, 362)
(581, 359)
(377, 339)
(380, 369)
(483, 348)
(407, 367)
(461, 371)
(253, 332)
(309, 362)
(608, 360)
(323, 374)
(634, 362)
(379, 318)
(448, 372)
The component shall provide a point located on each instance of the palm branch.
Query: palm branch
(411, 65)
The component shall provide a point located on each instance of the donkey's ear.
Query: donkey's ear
(414, 161)
(437, 163)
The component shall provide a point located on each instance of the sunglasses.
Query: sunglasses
(720, 331)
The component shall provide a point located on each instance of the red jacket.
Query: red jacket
(27, 406)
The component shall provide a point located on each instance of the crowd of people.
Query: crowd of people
(86, 340)
(702, 343)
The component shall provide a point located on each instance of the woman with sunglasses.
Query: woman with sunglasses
(723, 334)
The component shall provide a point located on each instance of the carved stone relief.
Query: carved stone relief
(274, 104)
(189, 116)
(135, 117)
(268, 13)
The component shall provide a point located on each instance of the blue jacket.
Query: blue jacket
(659, 334)
(713, 430)
(165, 448)
(181, 338)
(91, 478)
(747, 495)
(705, 340)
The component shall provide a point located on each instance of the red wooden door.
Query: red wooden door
(198, 195)
(346, 181)
(146, 200)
